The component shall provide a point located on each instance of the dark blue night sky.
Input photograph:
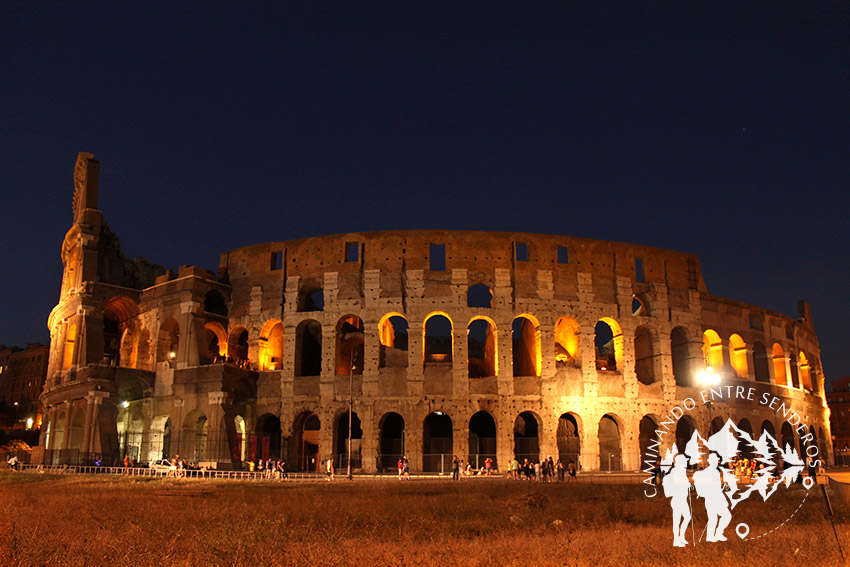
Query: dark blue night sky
(721, 129)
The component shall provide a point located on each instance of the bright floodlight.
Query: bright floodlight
(125, 404)
(29, 423)
(708, 377)
(171, 355)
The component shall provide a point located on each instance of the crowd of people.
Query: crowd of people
(547, 470)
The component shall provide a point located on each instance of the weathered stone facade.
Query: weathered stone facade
(461, 343)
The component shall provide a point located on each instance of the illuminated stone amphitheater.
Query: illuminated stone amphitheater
(468, 343)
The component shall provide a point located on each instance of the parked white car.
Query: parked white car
(162, 466)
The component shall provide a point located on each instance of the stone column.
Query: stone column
(88, 423)
(505, 380)
(460, 362)
(66, 437)
(415, 369)
(98, 401)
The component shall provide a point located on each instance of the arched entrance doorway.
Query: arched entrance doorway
(569, 442)
(304, 451)
(526, 437)
(437, 443)
(610, 447)
(482, 439)
(268, 437)
(391, 443)
(341, 442)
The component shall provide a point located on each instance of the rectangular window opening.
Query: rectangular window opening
(640, 275)
(352, 251)
(521, 251)
(437, 258)
(563, 255)
(276, 262)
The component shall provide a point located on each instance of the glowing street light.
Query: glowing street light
(708, 377)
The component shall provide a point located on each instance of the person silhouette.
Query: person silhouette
(709, 486)
(676, 486)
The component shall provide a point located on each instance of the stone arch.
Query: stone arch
(479, 296)
(349, 345)
(482, 345)
(118, 316)
(271, 345)
(805, 372)
(437, 442)
(340, 441)
(648, 441)
(527, 353)
(738, 356)
(779, 374)
(437, 339)
(195, 436)
(644, 356)
(269, 436)
(527, 427)
(569, 438)
(308, 348)
(215, 340)
(305, 450)
(610, 443)
(393, 335)
(760, 363)
(390, 441)
(482, 439)
(685, 427)
(712, 350)
(681, 357)
(168, 341)
(567, 344)
(237, 344)
(131, 393)
(215, 303)
(609, 345)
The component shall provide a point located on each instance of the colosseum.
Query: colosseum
(469, 343)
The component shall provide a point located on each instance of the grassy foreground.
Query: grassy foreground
(81, 520)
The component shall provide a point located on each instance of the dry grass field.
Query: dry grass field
(85, 520)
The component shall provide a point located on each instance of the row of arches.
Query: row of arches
(787, 369)
(127, 342)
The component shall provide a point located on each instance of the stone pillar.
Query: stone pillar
(590, 444)
(505, 380)
(66, 437)
(326, 380)
(87, 428)
(460, 362)
(415, 369)
(369, 441)
(98, 401)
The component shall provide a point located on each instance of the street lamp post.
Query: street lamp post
(350, 405)
(125, 404)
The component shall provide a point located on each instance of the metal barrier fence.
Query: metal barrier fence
(177, 473)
